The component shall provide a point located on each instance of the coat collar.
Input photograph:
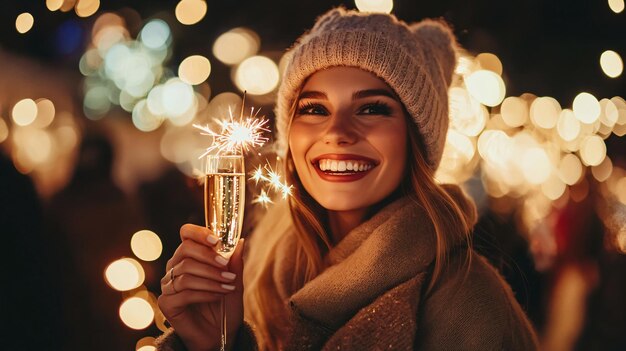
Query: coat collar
(390, 248)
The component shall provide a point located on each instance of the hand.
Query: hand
(195, 280)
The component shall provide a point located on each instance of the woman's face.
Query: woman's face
(348, 139)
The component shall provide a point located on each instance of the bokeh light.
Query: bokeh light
(146, 245)
(380, 6)
(124, 274)
(490, 62)
(611, 63)
(45, 113)
(592, 150)
(24, 112)
(24, 22)
(190, 12)
(136, 313)
(4, 130)
(257, 75)
(603, 171)
(544, 112)
(86, 8)
(145, 344)
(143, 119)
(194, 69)
(568, 126)
(155, 34)
(616, 6)
(570, 169)
(514, 111)
(586, 108)
(236, 45)
(536, 165)
(486, 86)
(54, 5)
(177, 97)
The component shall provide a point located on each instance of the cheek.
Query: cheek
(299, 144)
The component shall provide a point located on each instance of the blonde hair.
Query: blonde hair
(452, 222)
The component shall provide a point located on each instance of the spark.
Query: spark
(272, 179)
(236, 136)
(263, 199)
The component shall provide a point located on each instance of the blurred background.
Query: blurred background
(99, 159)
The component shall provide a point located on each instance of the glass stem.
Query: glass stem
(223, 323)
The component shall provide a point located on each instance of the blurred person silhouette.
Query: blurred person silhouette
(28, 299)
(585, 307)
(91, 222)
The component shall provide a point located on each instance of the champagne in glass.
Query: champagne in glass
(224, 201)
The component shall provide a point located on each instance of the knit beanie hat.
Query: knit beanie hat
(416, 60)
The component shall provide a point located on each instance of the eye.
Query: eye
(310, 108)
(376, 108)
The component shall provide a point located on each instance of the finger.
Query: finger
(191, 282)
(199, 269)
(169, 303)
(198, 252)
(199, 234)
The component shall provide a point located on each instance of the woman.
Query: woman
(369, 252)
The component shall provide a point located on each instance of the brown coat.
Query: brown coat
(371, 296)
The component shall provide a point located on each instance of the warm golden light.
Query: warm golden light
(603, 171)
(544, 112)
(592, 150)
(86, 8)
(568, 126)
(257, 75)
(553, 188)
(466, 114)
(194, 69)
(609, 113)
(611, 63)
(145, 344)
(586, 108)
(136, 313)
(490, 62)
(536, 165)
(146, 245)
(570, 169)
(486, 86)
(190, 12)
(4, 130)
(45, 113)
(124, 274)
(236, 45)
(177, 97)
(616, 6)
(620, 190)
(54, 5)
(143, 118)
(380, 6)
(24, 112)
(24, 22)
(514, 111)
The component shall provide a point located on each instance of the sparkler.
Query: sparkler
(236, 136)
(272, 179)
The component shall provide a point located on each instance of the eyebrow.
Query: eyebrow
(311, 94)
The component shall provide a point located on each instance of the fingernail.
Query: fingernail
(229, 275)
(211, 239)
(221, 260)
(228, 287)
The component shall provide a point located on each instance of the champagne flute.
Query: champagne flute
(224, 201)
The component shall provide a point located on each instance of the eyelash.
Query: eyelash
(381, 108)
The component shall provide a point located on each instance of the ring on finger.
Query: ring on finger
(172, 277)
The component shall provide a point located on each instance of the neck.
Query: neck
(342, 222)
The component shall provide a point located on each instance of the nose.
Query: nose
(340, 129)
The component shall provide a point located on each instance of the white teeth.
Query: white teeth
(333, 166)
(343, 165)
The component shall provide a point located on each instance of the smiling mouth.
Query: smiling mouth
(339, 167)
